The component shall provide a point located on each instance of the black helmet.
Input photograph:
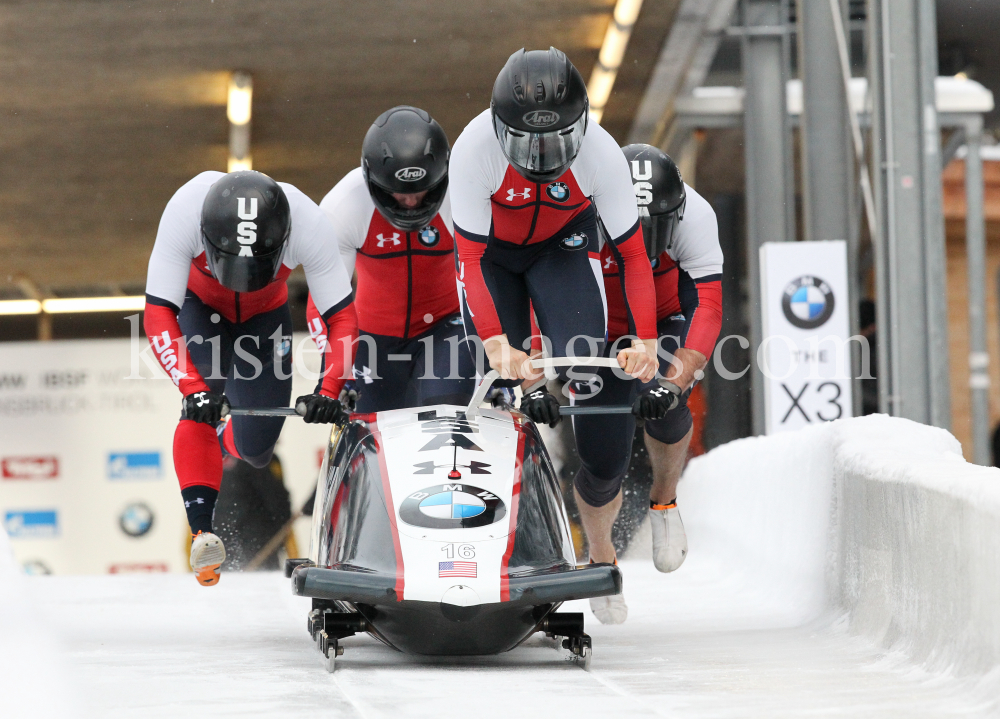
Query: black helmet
(245, 223)
(659, 192)
(540, 112)
(406, 151)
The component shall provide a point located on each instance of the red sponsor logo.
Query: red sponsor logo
(29, 467)
(138, 567)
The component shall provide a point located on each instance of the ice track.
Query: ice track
(822, 565)
(695, 645)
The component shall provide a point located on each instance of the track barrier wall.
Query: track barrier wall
(877, 523)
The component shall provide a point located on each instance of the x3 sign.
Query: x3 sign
(805, 354)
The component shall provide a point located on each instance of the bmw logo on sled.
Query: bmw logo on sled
(441, 531)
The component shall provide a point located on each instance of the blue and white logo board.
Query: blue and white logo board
(805, 354)
(134, 465)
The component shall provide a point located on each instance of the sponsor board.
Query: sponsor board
(134, 465)
(31, 523)
(29, 467)
(806, 326)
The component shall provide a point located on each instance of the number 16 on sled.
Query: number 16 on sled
(805, 353)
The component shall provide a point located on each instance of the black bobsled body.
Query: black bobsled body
(442, 534)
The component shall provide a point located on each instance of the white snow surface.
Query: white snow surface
(769, 616)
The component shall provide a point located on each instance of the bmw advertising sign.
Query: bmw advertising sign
(136, 519)
(805, 353)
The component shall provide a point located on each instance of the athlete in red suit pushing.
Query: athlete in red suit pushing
(218, 320)
(393, 223)
(528, 178)
(682, 239)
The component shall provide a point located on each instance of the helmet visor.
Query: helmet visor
(658, 231)
(243, 274)
(541, 152)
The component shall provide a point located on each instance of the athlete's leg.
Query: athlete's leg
(667, 441)
(382, 382)
(604, 443)
(443, 372)
(196, 451)
(261, 376)
(668, 464)
(567, 292)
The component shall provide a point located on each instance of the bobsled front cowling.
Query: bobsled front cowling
(447, 533)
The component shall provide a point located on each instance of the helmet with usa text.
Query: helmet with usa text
(540, 111)
(404, 159)
(245, 224)
(659, 193)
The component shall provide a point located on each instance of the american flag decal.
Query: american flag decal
(457, 569)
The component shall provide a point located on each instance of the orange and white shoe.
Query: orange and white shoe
(670, 544)
(207, 556)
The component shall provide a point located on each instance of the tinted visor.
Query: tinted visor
(659, 231)
(243, 274)
(541, 152)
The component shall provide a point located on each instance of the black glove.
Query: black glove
(541, 407)
(206, 407)
(655, 403)
(320, 409)
(349, 395)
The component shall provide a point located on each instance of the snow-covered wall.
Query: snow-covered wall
(877, 518)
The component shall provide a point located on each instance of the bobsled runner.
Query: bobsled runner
(441, 530)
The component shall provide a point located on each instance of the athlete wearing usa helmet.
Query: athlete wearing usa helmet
(394, 228)
(218, 321)
(528, 177)
(682, 238)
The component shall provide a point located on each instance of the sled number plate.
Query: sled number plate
(462, 551)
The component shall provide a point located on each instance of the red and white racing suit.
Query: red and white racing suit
(405, 295)
(687, 277)
(183, 298)
(527, 246)
(521, 241)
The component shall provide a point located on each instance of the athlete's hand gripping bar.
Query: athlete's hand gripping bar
(313, 408)
(547, 363)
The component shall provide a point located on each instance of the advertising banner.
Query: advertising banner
(87, 483)
(805, 355)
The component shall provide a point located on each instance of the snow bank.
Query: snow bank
(875, 517)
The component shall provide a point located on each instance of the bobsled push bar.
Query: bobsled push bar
(482, 390)
(549, 363)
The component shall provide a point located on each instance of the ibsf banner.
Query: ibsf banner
(87, 481)
(805, 354)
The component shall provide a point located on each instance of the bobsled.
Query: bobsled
(441, 530)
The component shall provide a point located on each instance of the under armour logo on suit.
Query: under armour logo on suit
(608, 262)
(523, 195)
(382, 240)
(246, 232)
